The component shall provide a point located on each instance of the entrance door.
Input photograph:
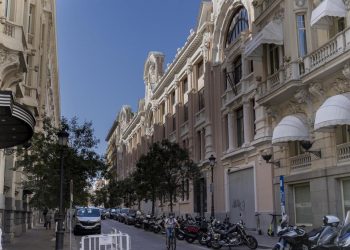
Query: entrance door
(242, 197)
(200, 197)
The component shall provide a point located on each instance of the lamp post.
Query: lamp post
(62, 141)
(212, 163)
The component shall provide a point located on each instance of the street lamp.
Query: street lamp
(62, 141)
(212, 163)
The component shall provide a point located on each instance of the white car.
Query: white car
(87, 220)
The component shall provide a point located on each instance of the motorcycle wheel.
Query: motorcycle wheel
(203, 240)
(189, 239)
(215, 244)
(251, 242)
(156, 230)
(180, 236)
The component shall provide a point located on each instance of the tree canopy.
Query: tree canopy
(41, 163)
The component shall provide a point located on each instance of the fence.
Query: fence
(113, 241)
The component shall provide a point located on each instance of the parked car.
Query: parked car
(130, 217)
(122, 215)
(104, 213)
(114, 213)
(87, 220)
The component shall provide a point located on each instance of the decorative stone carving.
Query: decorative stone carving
(341, 85)
(279, 15)
(189, 66)
(3, 55)
(316, 90)
(347, 4)
(300, 3)
(346, 70)
(271, 111)
(294, 107)
(205, 46)
(301, 96)
(149, 131)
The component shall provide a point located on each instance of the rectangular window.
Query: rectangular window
(174, 122)
(186, 112)
(200, 70)
(295, 148)
(225, 80)
(302, 203)
(237, 68)
(342, 134)
(199, 146)
(302, 45)
(31, 19)
(346, 195)
(253, 116)
(185, 85)
(173, 97)
(226, 128)
(10, 10)
(240, 127)
(201, 103)
(274, 58)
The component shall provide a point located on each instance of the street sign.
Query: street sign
(282, 195)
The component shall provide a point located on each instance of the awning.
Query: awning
(271, 33)
(291, 128)
(16, 122)
(334, 111)
(327, 8)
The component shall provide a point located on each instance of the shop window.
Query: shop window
(240, 127)
(342, 134)
(238, 24)
(302, 204)
(346, 195)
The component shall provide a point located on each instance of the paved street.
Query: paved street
(143, 240)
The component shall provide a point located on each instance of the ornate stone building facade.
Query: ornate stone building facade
(255, 80)
(29, 91)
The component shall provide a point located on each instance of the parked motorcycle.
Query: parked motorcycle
(234, 236)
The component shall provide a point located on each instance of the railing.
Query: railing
(229, 95)
(274, 79)
(328, 51)
(172, 136)
(300, 161)
(113, 241)
(343, 152)
(13, 35)
(9, 29)
(184, 128)
(199, 117)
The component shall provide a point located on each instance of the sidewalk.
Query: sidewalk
(265, 241)
(38, 238)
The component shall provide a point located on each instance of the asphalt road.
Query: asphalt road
(144, 240)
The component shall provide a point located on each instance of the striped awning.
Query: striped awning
(16, 122)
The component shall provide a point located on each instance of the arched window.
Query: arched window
(238, 24)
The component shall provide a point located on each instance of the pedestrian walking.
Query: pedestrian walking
(49, 219)
(45, 211)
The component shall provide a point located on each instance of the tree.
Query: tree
(42, 163)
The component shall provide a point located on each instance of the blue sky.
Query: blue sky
(102, 48)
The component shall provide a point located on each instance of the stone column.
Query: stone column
(347, 6)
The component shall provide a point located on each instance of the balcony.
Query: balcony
(184, 129)
(300, 162)
(343, 152)
(172, 136)
(229, 96)
(199, 117)
(13, 37)
(329, 51)
(284, 79)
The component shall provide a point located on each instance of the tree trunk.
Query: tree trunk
(153, 202)
(171, 202)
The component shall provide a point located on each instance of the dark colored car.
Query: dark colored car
(130, 217)
(113, 214)
(123, 214)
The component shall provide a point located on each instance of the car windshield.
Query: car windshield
(124, 210)
(88, 212)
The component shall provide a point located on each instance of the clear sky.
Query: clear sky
(102, 48)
